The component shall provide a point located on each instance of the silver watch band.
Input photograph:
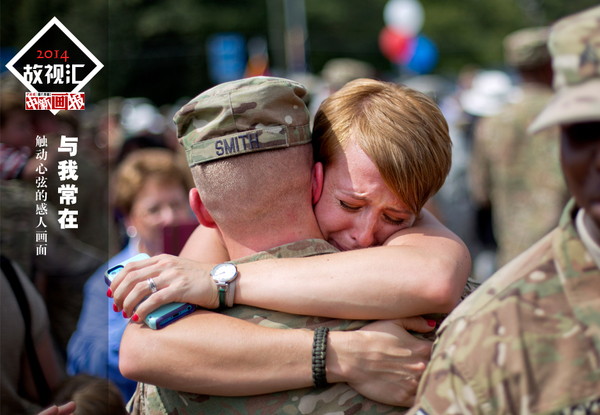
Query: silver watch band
(230, 294)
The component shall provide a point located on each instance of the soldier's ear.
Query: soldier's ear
(317, 182)
(199, 209)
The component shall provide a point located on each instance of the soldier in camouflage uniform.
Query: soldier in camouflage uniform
(528, 341)
(518, 173)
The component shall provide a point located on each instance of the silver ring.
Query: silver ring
(152, 285)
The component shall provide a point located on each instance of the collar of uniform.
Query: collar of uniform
(577, 270)
(304, 248)
(585, 228)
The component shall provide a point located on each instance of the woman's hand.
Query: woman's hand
(382, 361)
(65, 409)
(177, 279)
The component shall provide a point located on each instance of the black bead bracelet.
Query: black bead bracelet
(318, 357)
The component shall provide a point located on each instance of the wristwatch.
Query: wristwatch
(224, 276)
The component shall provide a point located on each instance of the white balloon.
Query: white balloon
(406, 16)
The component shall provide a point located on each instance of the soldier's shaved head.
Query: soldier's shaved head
(248, 145)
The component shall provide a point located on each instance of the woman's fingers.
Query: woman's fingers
(134, 277)
(129, 267)
(151, 303)
(140, 293)
(65, 409)
(143, 286)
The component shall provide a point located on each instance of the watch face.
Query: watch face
(224, 272)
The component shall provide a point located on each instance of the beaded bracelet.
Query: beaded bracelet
(318, 357)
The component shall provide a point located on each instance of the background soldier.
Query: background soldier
(517, 173)
(527, 340)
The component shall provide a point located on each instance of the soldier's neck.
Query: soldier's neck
(270, 238)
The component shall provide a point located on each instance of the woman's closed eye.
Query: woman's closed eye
(349, 207)
(352, 208)
(395, 222)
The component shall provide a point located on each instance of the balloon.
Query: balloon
(406, 16)
(393, 44)
(425, 56)
(409, 51)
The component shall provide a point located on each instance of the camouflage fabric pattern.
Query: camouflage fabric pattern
(574, 45)
(527, 48)
(439, 318)
(528, 341)
(338, 398)
(239, 117)
(338, 72)
(518, 173)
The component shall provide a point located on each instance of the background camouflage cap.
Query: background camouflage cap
(527, 48)
(244, 116)
(574, 44)
(339, 71)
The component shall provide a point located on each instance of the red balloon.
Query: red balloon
(393, 44)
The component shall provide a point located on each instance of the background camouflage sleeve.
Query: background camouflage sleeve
(518, 173)
(479, 168)
(526, 342)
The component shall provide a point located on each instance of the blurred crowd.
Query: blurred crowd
(487, 199)
(50, 293)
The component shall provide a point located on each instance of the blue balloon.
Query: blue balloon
(226, 56)
(425, 57)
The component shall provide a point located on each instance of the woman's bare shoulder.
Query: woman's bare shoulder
(205, 245)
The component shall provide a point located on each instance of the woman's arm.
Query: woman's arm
(205, 245)
(382, 361)
(420, 270)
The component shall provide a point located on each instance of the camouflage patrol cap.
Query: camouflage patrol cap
(244, 116)
(527, 48)
(574, 44)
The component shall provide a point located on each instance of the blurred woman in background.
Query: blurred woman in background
(150, 191)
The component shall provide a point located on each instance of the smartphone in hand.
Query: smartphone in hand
(163, 315)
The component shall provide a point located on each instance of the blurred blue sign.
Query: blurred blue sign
(6, 54)
(226, 57)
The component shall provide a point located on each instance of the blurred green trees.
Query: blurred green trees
(157, 48)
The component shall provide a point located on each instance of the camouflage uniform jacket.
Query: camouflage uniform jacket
(528, 341)
(152, 400)
(518, 173)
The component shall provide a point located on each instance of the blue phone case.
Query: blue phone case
(163, 315)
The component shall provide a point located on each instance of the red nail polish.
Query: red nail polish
(124, 314)
(135, 317)
(109, 292)
(115, 308)
(430, 323)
